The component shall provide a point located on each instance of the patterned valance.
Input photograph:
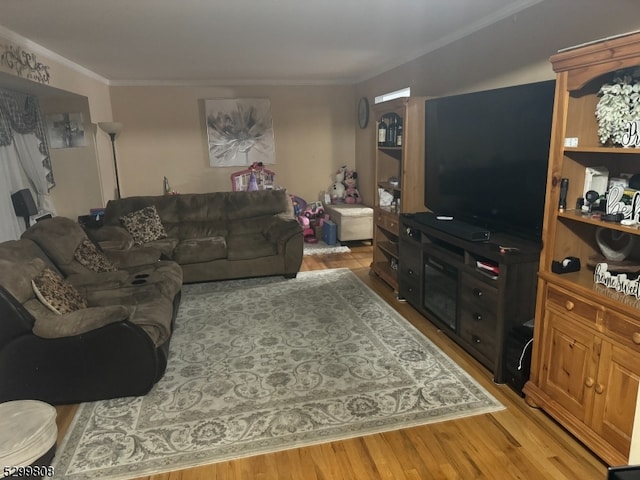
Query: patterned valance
(20, 113)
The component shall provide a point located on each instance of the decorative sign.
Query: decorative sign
(631, 136)
(615, 204)
(24, 64)
(620, 282)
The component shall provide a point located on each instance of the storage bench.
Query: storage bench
(355, 222)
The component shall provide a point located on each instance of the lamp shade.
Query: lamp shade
(112, 128)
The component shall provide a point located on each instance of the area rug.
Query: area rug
(321, 248)
(268, 364)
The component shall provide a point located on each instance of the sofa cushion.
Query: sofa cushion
(56, 293)
(257, 204)
(125, 285)
(165, 246)
(50, 325)
(196, 250)
(92, 258)
(23, 250)
(144, 225)
(249, 246)
(243, 226)
(155, 318)
(16, 277)
(59, 237)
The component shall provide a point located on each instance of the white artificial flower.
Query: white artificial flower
(618, 105)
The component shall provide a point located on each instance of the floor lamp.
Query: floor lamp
(113, 129)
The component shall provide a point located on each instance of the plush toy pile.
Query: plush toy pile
(344, 189)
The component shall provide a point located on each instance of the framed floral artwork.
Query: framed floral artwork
(239, 132)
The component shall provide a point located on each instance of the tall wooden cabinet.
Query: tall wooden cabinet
(586, 351)
(399, 171)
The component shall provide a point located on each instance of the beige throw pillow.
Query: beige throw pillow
(56, 293)
(88, 255)
(144, 225)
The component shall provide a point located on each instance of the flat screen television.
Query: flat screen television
(486, 157)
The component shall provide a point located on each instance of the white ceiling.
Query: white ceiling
(235, 42)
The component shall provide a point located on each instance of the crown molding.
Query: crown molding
(25, 43)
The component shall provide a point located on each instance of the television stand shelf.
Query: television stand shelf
(476, 292)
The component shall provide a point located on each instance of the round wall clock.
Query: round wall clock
(363, 112)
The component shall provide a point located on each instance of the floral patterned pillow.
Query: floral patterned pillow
(56, 293)
(144, 225)
(88, 255)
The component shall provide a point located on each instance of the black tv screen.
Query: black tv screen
(486, 156)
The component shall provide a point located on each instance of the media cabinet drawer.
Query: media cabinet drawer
(411, 258)
(410, 272)
(409, 288)
(478, 327)
(477, 292)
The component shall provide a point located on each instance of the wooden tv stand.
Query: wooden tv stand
(475, 305)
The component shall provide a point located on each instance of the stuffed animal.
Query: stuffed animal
(337, 192)
(352, 195)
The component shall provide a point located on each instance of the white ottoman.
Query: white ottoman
(28, 434)
(355, 222)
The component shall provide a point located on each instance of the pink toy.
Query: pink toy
(351, 194)
(314, 210)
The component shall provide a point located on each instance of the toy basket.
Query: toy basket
(264, 178)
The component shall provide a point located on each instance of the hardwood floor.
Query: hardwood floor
(517, 443)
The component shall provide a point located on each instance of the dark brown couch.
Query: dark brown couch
(215, 236)
(115, 346)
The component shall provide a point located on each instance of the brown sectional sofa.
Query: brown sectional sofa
(115, 345)
(125, 298)
(215, 236)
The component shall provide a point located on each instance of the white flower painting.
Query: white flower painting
(240, 132)
(619, 105)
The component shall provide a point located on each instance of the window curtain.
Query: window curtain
(24, 159)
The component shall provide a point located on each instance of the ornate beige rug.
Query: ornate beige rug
(269, 364)
(321, 248)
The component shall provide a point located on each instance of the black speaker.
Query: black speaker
(517, 361)
(23, 204)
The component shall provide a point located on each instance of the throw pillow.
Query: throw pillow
(56, 293)
(144, 225)
(88, 255)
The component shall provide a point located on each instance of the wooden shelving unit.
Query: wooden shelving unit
(586, 352)
(406, 164)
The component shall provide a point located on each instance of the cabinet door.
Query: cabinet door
(569, 364)
(616, 391)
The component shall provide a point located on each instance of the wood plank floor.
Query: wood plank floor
(516, 443)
